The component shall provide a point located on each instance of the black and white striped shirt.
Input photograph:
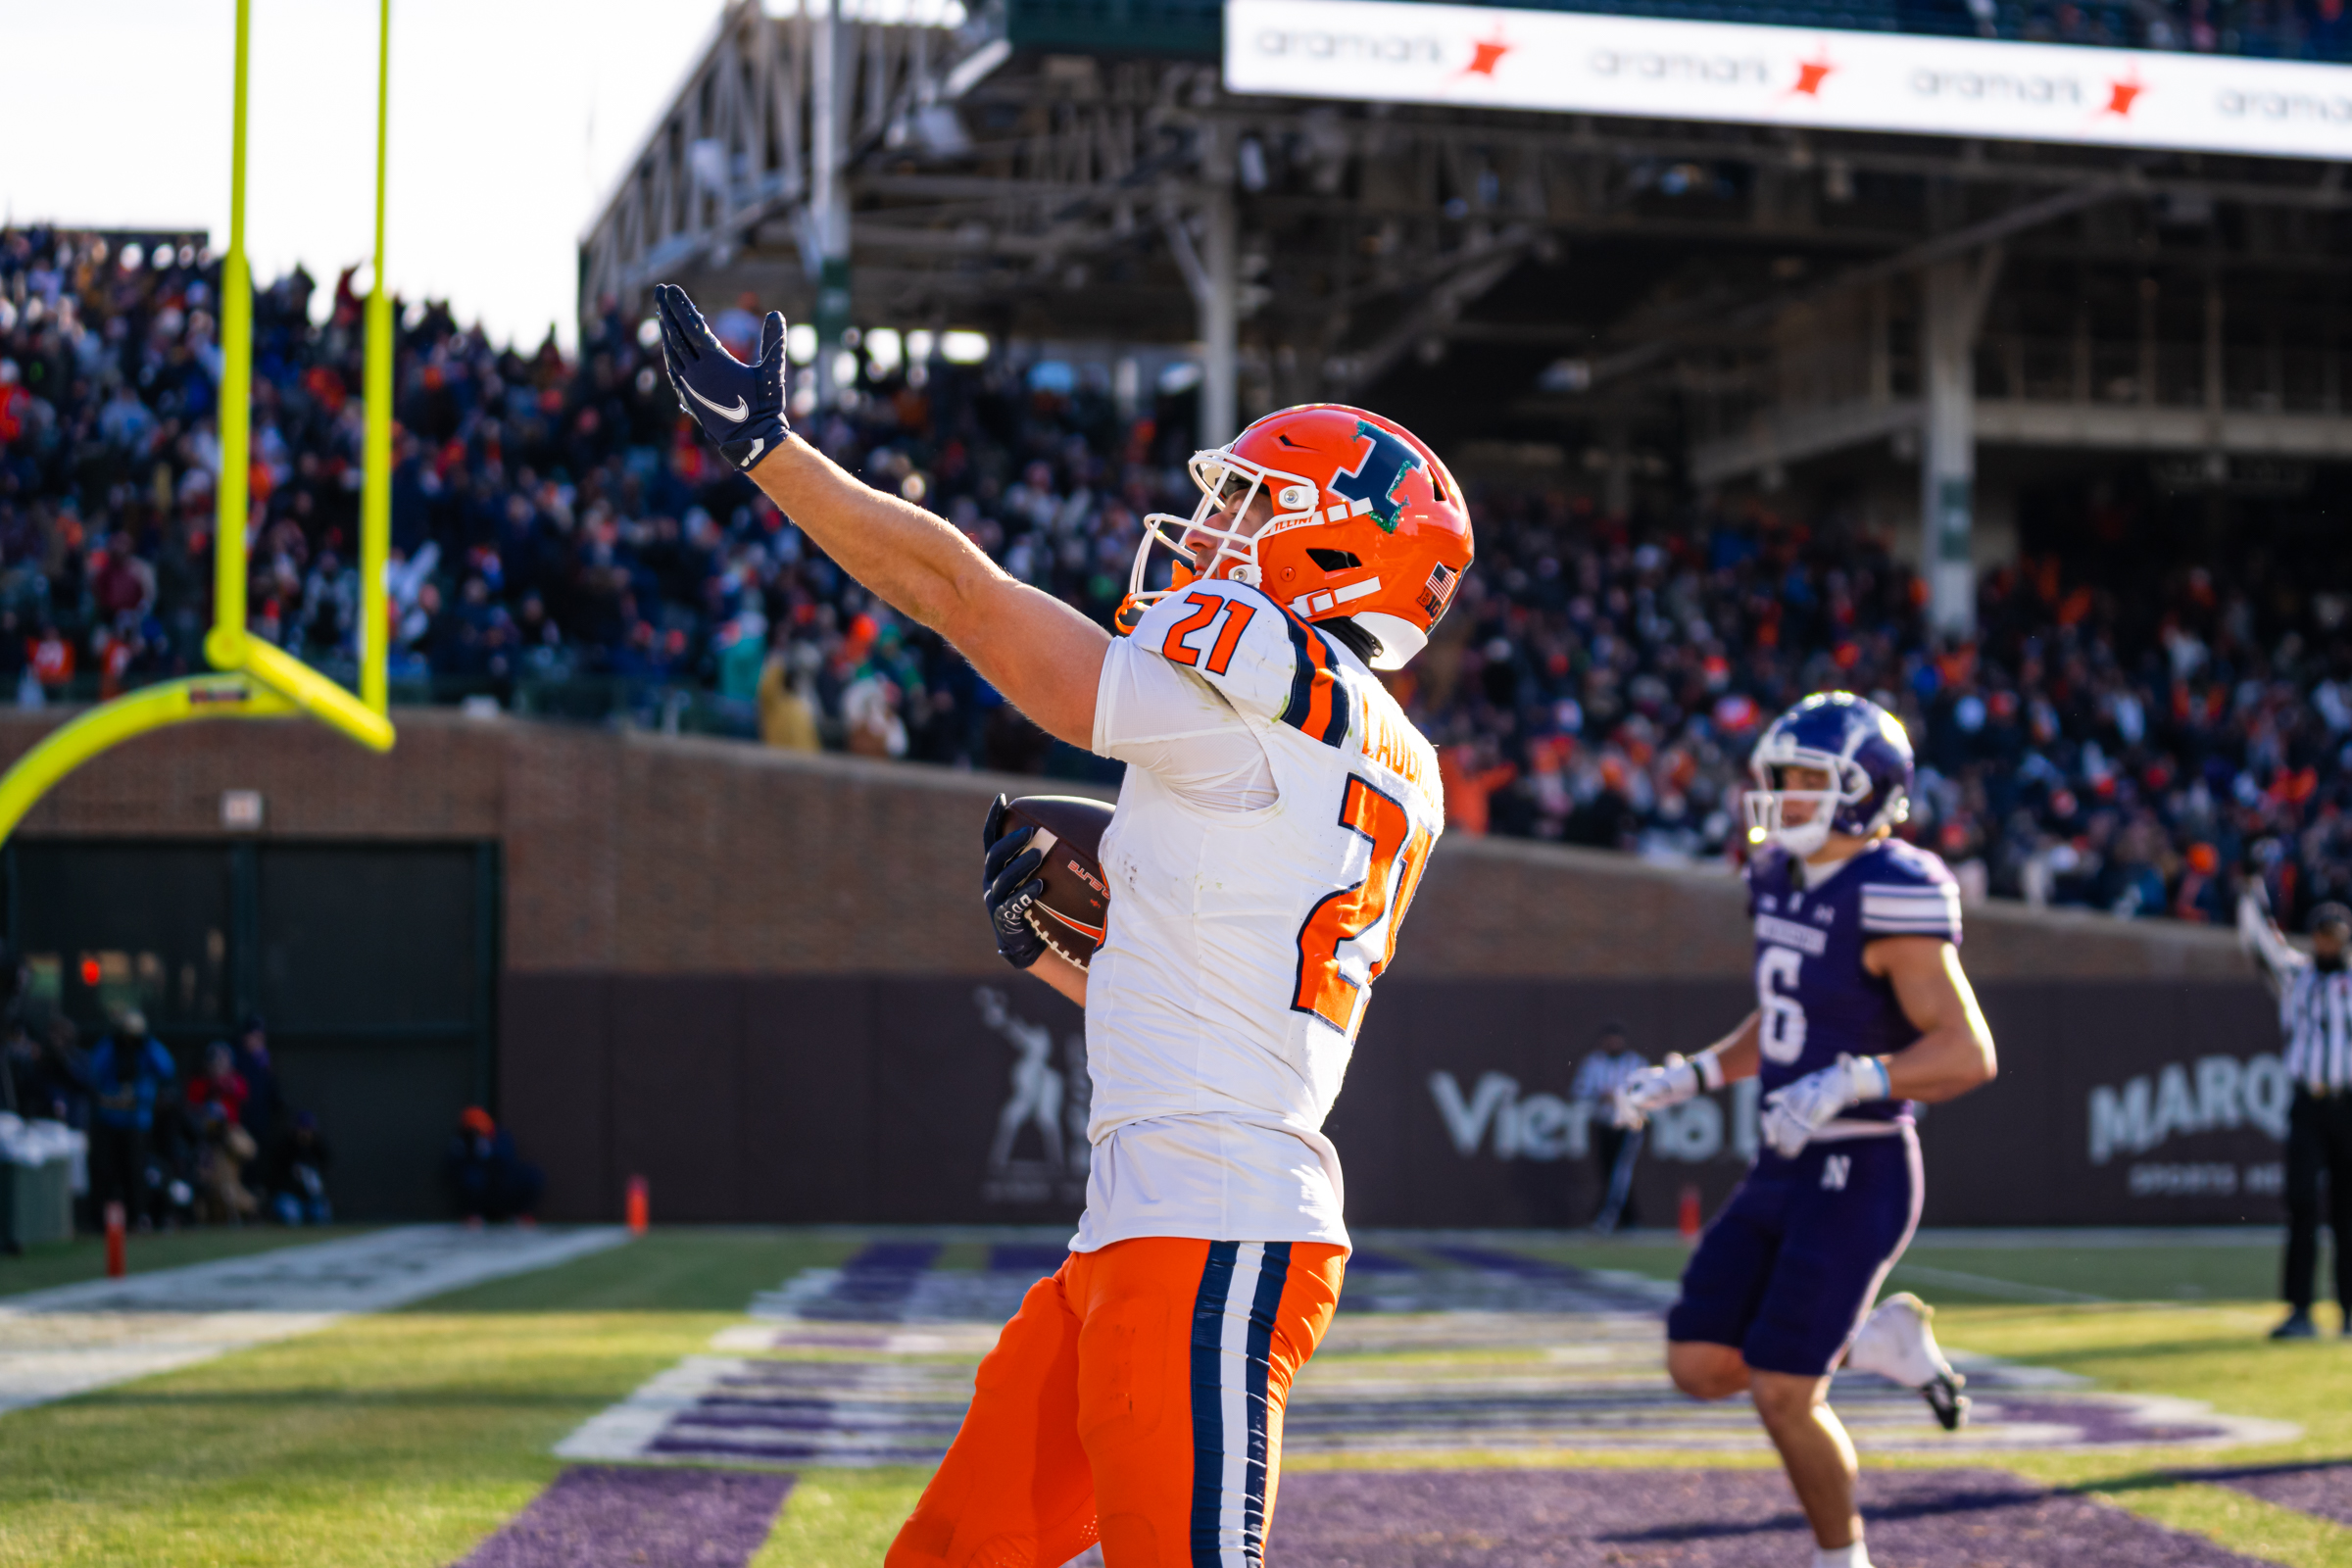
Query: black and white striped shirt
(2315, 1004)
(2315, 1010)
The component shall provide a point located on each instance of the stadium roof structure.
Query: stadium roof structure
(1671, 291)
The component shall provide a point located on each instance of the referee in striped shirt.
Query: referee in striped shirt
(2315, 1013)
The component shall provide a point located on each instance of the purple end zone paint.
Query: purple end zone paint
(1701, 1519)
(1020, 1257)
(1365, 1261)
(2320, 1489)
(604, 1516)
(874, 1285)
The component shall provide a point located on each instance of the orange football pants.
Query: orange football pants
(1136, 1399)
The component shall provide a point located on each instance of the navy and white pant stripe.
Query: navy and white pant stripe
(1233, 1332)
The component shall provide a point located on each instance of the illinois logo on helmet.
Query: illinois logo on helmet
(1361, 522)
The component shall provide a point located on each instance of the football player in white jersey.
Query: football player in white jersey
(1277, 813)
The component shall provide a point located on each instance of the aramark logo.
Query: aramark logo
(1679, 66)
(1317, 44)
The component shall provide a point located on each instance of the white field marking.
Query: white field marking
(974, 1340)
(59, 1343)
(1520, 1364)
(874, 1413)
(1533, 1381)
(808, 1285)
(2040, 1238)
(627, 1428)
(1987, 1284)
(2064, 1238)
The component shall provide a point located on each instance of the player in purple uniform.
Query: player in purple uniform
(1862, 1010)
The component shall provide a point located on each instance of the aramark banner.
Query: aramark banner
(1396, 52)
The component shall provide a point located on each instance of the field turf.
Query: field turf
(53, 1263)
(405, 1438)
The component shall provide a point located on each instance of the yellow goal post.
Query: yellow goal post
(255, 679)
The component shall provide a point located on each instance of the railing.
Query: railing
(2274, 378)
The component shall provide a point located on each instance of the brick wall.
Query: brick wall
(639, 854)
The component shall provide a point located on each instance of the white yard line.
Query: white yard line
(2073, 1237)
(59, 1343)
(1585, 1371)
(1987, 1284)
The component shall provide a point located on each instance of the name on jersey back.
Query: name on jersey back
(1391, 743)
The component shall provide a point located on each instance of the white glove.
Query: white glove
(1652, 1089)
(1794, 1114)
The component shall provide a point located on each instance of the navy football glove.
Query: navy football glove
(1010, 884)
(740, 406)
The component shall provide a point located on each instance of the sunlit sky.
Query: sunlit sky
(510, 123)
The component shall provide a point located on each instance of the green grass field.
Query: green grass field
(406, 1438)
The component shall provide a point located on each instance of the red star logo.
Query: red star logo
(2121, 96)
(1487, 56)
(1810, 75)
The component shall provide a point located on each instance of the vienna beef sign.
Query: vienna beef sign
(1392, 52)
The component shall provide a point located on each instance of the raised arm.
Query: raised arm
(2265, 943)
(1045, 656)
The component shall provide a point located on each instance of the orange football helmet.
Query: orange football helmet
(1368, 525)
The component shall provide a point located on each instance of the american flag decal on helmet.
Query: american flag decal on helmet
(1437, 593)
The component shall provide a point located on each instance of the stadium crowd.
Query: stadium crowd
(2127, 733)
(221, 1148)
(2275, 29)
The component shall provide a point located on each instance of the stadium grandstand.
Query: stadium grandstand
(1689, 370)
(547, 1080)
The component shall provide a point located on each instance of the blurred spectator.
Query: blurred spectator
(51, 658)
(1471, 775)
(1612, 1061)
(2139, 729)
(129, 1071)
(260, 1074)
(296, 1174)
(2283, 29)
(220, 1086)
(490, 1181)
(20, 1087)
(41, 1073)
(223, 1152)
(787, 720)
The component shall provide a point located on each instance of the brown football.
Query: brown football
(1070, 913)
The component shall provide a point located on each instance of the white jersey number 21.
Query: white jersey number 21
(1784, 1022)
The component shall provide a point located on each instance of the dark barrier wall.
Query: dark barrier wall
(934, 1101)
(636, 854)
(673, 916)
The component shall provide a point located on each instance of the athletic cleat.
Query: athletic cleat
(1945, 1397)
(1897, 1345)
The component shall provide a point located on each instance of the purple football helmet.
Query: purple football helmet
(1863, 749)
